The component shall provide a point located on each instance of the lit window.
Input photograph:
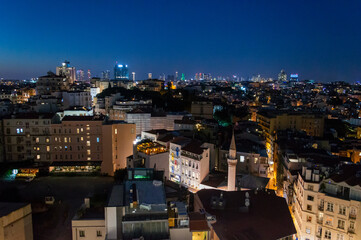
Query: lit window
(116, 131)
(88, 151)
(88, 143)
(98, 140)
(65, 139)
(81, 138)
(241, 158)
(48, 148)
(77, 130)
(81, 129)
(37, 140)
(38, 156)
(47, 140)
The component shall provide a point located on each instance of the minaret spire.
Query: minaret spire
(232, 164)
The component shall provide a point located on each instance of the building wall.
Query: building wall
(77, 98)
(202, 109)
(314, 216)
(17, 225)
(27, 139)
(77, 141)
(118, 145)
(93, 229)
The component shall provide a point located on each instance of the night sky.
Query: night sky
(319, 39)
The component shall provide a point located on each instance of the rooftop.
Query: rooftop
(8, 207)
(258, 222)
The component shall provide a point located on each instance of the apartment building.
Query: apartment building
(76, 99)
(51, 83)
(188, 162)
(271, 121)
(74, 144)
(328, 208)
(78, 139)
(28, 137)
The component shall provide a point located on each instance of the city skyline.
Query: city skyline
(319, 40)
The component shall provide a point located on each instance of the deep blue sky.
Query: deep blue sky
(319, 39)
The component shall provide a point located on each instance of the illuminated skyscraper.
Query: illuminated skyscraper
(106, 75)
(294, 77)
(282, 76)
(183, 78)
(133, 76)
(176, 76)
(121, 71)
(66, 71)
(80, 75)
(150, 75)
(89, 75)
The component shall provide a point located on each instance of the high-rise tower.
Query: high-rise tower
(121, 71)
(67, 71)
(232, 165)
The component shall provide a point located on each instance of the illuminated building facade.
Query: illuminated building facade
(121, 71)
(329, 208)
(66, 70)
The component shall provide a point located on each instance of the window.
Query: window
(81, 138)
(308, 230)
(37, 140)
(341, 224)
(98, 140)
(309, 207)
(47, 139)
(48, 148)
(309, 219)
(38, 156)
(88, 143)
(99, 233)
(115, 131)
(328, 234)
(310, 187)
(77, 130)
(339, 236)
(81, 233)
(241, 158)
(88, 151)
(328, 221)
(342, 210)
(310, 198)
(19, 130)
(329, 207)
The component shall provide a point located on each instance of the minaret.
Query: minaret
(232, 164)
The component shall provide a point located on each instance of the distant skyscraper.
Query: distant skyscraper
(294, 77)
(150, 75)
(133, 76)
(282, 76)
(67, 71)
(176, 76)
(80, 75)
(121, 71)
(162, 77)
(89, 75)
(183, 78)
(106, 75)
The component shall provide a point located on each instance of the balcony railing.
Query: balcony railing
(351, 230)
(352, 216)
(321, 208)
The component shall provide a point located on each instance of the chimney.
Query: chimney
(87, 202)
